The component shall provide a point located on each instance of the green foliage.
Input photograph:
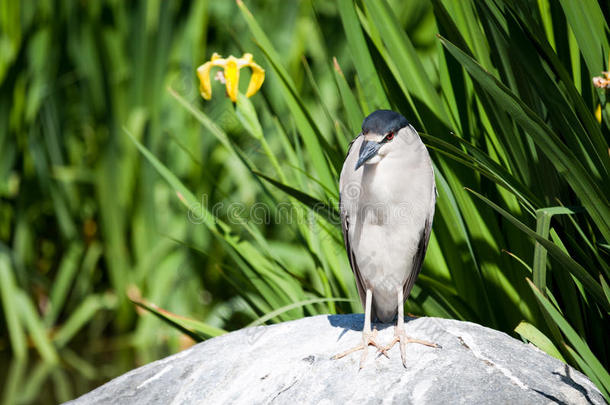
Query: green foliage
(117, 179)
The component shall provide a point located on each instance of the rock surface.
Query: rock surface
(291, 363)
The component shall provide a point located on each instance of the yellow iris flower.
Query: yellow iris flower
(231, 66)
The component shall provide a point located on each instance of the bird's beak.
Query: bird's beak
(368, 149)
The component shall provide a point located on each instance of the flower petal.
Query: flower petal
(256, 80)
(203, 73)
(232, 77)
(598, 113)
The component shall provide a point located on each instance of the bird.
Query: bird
(387, 199)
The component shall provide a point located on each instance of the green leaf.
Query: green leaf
(367, 74)
(197, 330)
(605, 287)
(305, 123)
(589, 26)
(214, 129)
(38, 333)
(483, 164)
(289, 307)
(402, 52)
(9, 293)
(350, 104)
(326, 211)
(543, 225)
(81, 316)
(570, 264)
(247, 116)
(532, 334)
(587, 370)
(579, 344)
(65, 277)
(561, 157)
(249, 119)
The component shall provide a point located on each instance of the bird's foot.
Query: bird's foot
(402, 339)
(368, 339)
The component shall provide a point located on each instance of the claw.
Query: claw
(368, 339)
(402, 339)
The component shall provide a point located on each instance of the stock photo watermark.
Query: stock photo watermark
(289, 213)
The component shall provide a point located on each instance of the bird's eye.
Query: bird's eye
(389, 136)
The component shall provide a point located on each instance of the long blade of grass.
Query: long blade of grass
(543, 225)
(9, 293)
(308, 130)
(401, 50)
(587, 370)
(367, 75)
(350, 104)
(286, 308)
(562, 158)
(66, 274)
(37, 330)
(81, 316)
(590, 28)
(325, 211)
(197, 330)
(579, 344)
(539, 339)
(570, 264)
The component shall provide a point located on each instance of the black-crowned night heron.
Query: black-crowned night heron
(387, 197)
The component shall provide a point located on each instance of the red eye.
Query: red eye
(390, 136)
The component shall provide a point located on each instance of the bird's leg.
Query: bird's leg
(368, 336)
(400, 336)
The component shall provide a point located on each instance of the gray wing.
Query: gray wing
(345, 224)
(418, 260)
(350, 255)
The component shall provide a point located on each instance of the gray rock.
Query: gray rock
(291, 363)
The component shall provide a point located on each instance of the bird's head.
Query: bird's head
(383, 132)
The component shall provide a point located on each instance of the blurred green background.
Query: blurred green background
(137, 218)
